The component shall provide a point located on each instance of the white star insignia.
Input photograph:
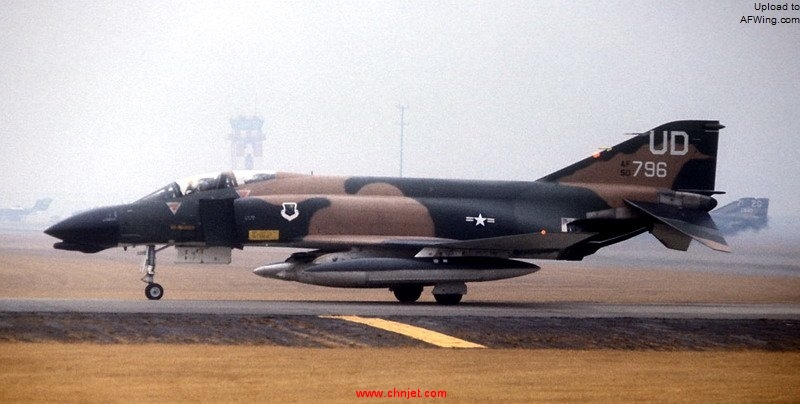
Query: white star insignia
(480, 220)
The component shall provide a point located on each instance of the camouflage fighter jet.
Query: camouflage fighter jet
(407, 233)
(743, 214)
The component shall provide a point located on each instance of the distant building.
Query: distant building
(247, 141)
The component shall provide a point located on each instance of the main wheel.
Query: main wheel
(448, 299)
(407, 293)
(154, 291)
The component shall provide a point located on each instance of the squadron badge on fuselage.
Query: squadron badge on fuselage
(290, 211)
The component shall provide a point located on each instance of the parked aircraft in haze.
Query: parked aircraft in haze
(19, 213)
(740, 215)
(405, 234)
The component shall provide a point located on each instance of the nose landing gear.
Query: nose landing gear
(152, 291)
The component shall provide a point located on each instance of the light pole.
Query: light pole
(402, 109)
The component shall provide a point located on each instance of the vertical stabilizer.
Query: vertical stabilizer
(680, 155)
(42, 205)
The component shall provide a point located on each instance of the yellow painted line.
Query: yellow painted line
(422, 334)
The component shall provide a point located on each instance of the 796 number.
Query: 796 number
(649, 169)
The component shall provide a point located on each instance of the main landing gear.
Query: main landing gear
(447, 294)
(407, 293)
(153, 291)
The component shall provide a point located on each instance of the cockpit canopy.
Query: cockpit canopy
(208, 182)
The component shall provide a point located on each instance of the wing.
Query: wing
(529, 245)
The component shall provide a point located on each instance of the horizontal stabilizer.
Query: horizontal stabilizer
(682, 224)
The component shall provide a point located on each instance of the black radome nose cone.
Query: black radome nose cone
(89, 231)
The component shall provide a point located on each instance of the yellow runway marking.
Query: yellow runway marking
(422, 334)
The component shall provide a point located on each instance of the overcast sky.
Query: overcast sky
(104, 101)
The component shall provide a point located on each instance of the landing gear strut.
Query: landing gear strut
(153, 291)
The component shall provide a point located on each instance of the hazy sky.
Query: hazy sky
(104, 101)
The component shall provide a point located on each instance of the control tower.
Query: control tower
(247, 141)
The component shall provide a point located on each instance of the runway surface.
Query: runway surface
(319, 324)
(384, 309)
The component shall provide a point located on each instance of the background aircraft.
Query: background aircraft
(405, 233)
(740, 215)
(17, 214)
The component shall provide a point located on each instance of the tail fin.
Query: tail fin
(743, 214)
(42, 205)
(746, 207)
(680, 155)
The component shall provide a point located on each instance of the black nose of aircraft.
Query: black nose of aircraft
(88, 232)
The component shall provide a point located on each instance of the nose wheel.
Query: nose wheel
(152, 291)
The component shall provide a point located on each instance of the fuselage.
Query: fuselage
(316, 211)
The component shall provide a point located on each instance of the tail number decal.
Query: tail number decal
(676, 147)
(649, 169)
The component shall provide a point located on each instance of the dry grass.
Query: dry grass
(108, 373)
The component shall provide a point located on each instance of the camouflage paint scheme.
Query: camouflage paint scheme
(407, 233)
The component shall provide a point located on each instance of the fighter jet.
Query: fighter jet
(406, 234)
(18, 213)
(740, 215)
